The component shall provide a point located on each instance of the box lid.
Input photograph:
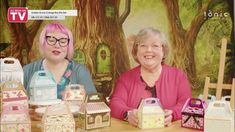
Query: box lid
(219, 110)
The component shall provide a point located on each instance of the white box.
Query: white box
(219, 117)
(11, 70)
(42, 87)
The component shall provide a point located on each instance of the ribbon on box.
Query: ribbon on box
(195, 120)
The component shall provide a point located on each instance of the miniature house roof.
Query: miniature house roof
(75, 92)
(42, 79)
(10, 64)
(97, 107)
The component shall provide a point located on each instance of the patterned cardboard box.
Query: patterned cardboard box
(193, 114)
(94, 113)
(150, 114)
(58, 118)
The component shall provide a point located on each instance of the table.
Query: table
(122, 126)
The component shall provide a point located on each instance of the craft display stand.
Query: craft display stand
(219, 86)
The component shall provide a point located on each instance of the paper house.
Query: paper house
(42, 87)
(13, 92)
(193, 114)
(15, 117)
(11, 70)
(14, 107)
(58, 118)
(150, 114)
(94, 113)
(219, 117)
(75, 95)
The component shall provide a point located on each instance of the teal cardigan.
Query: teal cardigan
(80, 75)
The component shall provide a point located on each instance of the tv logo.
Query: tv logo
(17, 14)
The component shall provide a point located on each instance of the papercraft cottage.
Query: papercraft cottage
(43, 88)
(150, 114)
(219, 117)
(75, 95)
(11, 70)
(15, 112)
(58, 118)
(193, 114)
(94, 113)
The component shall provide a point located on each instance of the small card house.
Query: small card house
(94, 113)
(58, 118)
(15, 117)
(219, 117)
(42, 82)
(150, 114)
(11, 70)
(193, 114)
(14, 107)
(13, 92)
(75, 94)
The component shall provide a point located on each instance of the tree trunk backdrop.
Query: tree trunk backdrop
(97, 23)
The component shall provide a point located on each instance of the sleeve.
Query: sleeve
(84, 78)
(118, 102)
(184, 92)
(26, 70)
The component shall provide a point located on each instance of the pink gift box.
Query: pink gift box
(193, 114)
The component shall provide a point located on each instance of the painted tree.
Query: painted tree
(99, 24)
(22, 34)
(183, 39)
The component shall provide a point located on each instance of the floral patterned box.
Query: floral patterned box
(13, 92)
(219, 117)
(15, 118)
(94, 113)
(14, 107)
(150, 114)
(58, 118)
(11, 70)
(193, 114)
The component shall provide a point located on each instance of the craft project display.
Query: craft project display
(42, 82)
(15, 112)
(150, 114)
(193, 114)
(58, 118)
(219, 117)
(94, 113)
(75, 95)
(11, 70)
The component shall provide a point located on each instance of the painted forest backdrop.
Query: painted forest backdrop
(104, 29)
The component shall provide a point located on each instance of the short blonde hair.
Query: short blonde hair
(143, 34)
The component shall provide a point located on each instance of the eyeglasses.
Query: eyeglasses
(63, 42)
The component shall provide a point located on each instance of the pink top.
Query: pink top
(172, 87)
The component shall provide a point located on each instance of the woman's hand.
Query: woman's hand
(168, 117)
(132, 117)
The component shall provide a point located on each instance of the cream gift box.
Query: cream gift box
(94, 113)
(219, 117)
(58, 118)
(42, 87)
(75, 95)
(11, 70)
(193, 114)
(150, 114)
